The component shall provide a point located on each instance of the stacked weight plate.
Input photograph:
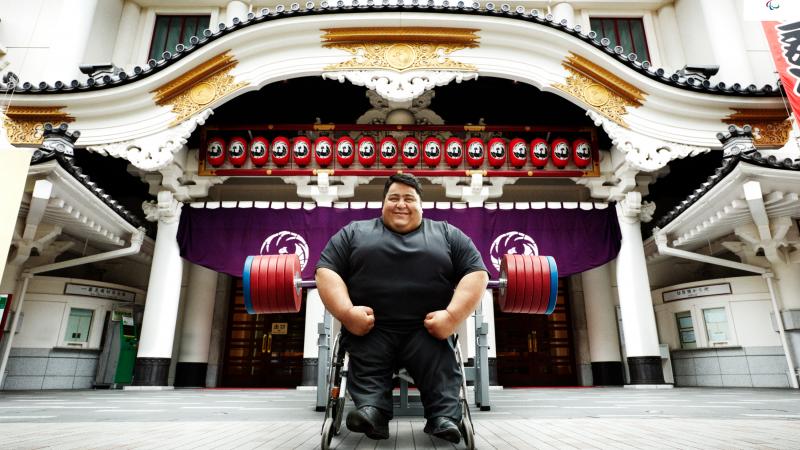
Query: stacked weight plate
(531, 284)
(269, 284)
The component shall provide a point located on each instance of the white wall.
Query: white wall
(103, 36)
(748, 310)
(26, 34)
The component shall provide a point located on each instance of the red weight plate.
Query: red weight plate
(522, 295)
(503, 293)
(287, 299)
(510, 265)
(269, 289)
(254, 274)
(536, 305)
(263, 285)
(545, 284)
(294, 273)
(529, 285)
(279, 298)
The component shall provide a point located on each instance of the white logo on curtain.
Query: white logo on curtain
(286, 242)
(514, 243)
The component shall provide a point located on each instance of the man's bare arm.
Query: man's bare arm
(358, 320)
(466, 298)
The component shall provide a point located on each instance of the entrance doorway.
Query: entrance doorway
(263, 350)
(535, 350)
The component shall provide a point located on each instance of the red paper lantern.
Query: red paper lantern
(475, 152)
(345, 151)
(259, 151)
(540, 152)
(561, 152)
(497, 152)
(388, 151)
(237, 151)
(581, 153)
(215, 151)
(301, 151)
(453, 151)
(432, 151)
(280, 151)
(366, 151)
(410, 146)
(323, 151)
(518, 152)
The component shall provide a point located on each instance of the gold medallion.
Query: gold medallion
(400, 56)
(202, 93)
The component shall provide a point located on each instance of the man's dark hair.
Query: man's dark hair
(403, 178)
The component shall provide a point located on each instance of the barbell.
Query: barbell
(528, 284)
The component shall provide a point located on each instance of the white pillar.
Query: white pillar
(198, 314)
(724, 30)
(163, 295)
(235, 8)
(670, 39)
(563, 11)
(126, 38)
(633, 283)
(601, 324)
(69, 40)
(788, 283)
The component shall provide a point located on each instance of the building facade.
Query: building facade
(646, 145)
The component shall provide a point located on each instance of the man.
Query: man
(401, 285)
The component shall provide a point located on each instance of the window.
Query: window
(170, 31)
(80, 320)
(686, 329)
(716, 325)
(625, 32)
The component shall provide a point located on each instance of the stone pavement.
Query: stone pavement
(609, 418)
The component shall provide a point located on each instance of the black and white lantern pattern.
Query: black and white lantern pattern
(518, 152)
(259, 151)
(453, 151)
(323, 151)
(215, 151)
(237, 151)
(432, 151)
(280, 151)
(301, 151)
(475, 152)
(388, 151)
(366, 151)
(497, 152)
(410, 155)
(345, 151)
(581, 153)
(561, 153)
(540, 152)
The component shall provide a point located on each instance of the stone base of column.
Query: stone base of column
(309, 372)
(607, 373)
(190, 374)
(645, 370)
(151, 372)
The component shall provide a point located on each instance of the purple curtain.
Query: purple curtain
(222, 238)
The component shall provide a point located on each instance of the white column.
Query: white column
(126, 38)
(69, 40)
(670, 39)
(601, 325)
(633, 283)
(723, 26)
(235, 8)
(788, 282)
(198, 314)
(163, 295)
(563, 11)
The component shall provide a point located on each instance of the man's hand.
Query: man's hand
(440, 324)
(359, 320)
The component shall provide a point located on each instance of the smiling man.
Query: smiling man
(401, 285)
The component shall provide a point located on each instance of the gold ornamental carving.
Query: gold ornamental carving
(204, 84)
(607, 93)
(25, 124)
(771, 127)
(400, 49)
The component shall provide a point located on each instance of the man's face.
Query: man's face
(402, 208)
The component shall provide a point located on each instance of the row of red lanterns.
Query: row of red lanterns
(410, 151)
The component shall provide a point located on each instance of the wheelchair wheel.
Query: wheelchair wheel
(468, 432)
(327, 434)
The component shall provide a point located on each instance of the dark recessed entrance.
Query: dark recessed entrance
(535, 350)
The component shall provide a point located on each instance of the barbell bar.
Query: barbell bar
(528, 284)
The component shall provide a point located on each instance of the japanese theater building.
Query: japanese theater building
(647, 146)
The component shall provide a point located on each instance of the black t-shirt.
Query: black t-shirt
(402, 277)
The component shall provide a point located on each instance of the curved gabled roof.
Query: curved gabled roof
(354, 6)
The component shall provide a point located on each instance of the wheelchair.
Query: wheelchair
(337, 393)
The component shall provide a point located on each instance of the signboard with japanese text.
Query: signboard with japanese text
(280, 328)
(99, 291)
(696, 291)
(784, 44)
